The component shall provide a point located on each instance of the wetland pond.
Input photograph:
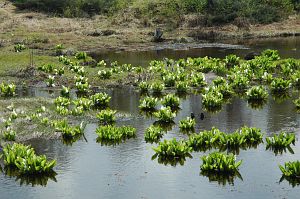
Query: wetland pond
(88, 170)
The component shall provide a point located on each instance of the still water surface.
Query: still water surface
(89, 170)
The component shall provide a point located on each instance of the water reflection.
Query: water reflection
(221, 178)
(288, 47)
(32, 180)
(129, 164)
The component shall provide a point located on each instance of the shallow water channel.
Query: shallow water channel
(88, 170)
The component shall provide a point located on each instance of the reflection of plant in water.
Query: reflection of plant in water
(292, 181)
(279, 143)
(280, 97)
(221, 178)
(33, 180)
(256, 105)
(69, 141)
(170, 161)
(291, 173)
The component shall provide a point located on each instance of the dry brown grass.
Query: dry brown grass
(131, 32)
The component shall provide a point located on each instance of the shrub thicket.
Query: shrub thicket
(212, 11)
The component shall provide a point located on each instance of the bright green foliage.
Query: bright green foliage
(251, 135)
(225, 89)
(233, 140)
(273, 55)
(81, 56)
(297, 103)
(80, 80)
(232, 60)
(291, 169)
(9, 135)
(267, 77)
(165, 115)
(69, 131)
(212, 100)
(153, 134)
(219, 81)
(65, 60)
(50, 81)
(25, 160)
(100, 100)
(7, 90)
(205, 140)
(282, 140)
(187, 125)
(182, 87)
(65, 92)
(47, 68)
(104, 74)
(257, 93)
(148, 103)
(83, 102)
(172, 149)
(197, 80)
(77, 111)
(171, 101)
(296, 79)
(239, 82)
(101, 63)
(19, 48)
(115, 134)
(62, 110)
(107, 116)
(220, 163)
(169, 79)
(279, 85)
(144, 87)
(157, 87)
(59, 49)
(82, 87)
(62, 101)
